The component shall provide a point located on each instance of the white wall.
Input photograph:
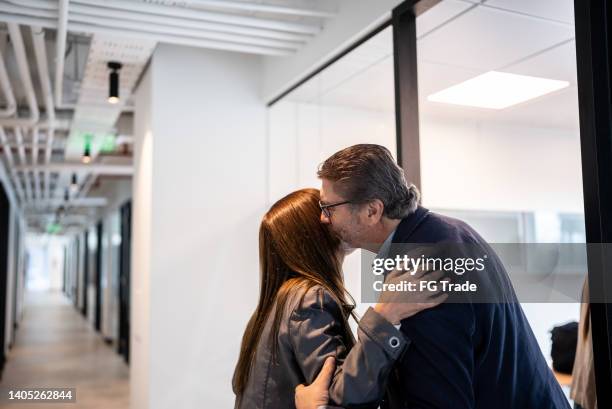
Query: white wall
(486, 166)
(303, 135)
(201, 166)
(46, 262)
(494, 166)
(141, 247)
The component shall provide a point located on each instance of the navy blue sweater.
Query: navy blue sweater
(469, 355)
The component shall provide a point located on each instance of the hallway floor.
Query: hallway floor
(56, 347)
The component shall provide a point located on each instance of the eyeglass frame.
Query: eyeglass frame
(325, 207)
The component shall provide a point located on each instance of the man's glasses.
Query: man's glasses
(325, 207)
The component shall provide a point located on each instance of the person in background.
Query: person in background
(583, 375)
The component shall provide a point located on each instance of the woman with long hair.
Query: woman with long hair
(302, 317)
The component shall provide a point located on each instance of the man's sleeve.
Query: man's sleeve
(438, 369)
(317, 332)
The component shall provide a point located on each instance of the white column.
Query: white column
(199, 194)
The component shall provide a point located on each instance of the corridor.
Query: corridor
(56, 347)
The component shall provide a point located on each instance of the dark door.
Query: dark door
(76, 260)
(124, 281)
(16, 252)
(85, 273)
(65, 282)
(594, 63)
(4, 245)
(98, 262)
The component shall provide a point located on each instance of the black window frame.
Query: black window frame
(593, 25)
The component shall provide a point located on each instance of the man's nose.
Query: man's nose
(325, 219)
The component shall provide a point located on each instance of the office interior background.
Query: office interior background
(143, 141)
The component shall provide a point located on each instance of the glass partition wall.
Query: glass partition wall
(479, 103)
(349, 102)
(499, 129)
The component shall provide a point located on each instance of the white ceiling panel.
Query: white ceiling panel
(556, 110)
(370, 89)
(558, 63)
(558, 10)
(434, 77)
(486, 39)
(439, 14)
(377, 50)
(461, 48)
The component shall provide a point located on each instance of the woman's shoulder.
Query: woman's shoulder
(312, 298)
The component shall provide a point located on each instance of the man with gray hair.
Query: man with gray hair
(460, 354)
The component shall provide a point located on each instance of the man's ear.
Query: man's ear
(375, 210)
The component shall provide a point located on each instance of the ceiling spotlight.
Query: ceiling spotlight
(113, 81)
(86, 154)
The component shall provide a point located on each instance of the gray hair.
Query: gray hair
(366, 172)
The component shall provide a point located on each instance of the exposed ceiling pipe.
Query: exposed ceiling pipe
(130, 9)
(77, 202)
(47, 174)
(173, 22)
(257, 7)
(160, 20)
(204, 15)
(60, 50)
(67, 219)
(7, 90)
(25, 144)
(8, 154)
(101, 169)
(26, 79)
(10, 97)
(20, 147)
(36, 4)
(186, 32)
(22, 160)
(26, 11)
(35, 162)
(128, 33)
(217, 4)
(38, 36)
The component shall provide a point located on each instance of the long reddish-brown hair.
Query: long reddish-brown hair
(296, 252)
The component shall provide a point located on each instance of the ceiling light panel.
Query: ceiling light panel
(497, 90)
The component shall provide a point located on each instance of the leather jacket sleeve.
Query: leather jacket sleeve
(316, 332)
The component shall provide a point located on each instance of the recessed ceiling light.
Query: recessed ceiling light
(497, 90)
